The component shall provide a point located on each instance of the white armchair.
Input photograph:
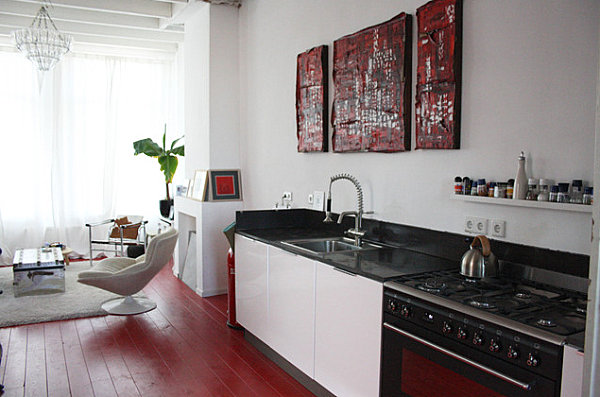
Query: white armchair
(127, 276)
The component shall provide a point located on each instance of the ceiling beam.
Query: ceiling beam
(83, 39)
(59, 13)
(147, 8)
(15, 22)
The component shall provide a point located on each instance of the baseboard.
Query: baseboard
(211, 292)
(288, 367)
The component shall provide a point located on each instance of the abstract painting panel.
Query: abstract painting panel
(372, 82)
(439, 53)
(311, 100)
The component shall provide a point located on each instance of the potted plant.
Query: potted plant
(168, 163)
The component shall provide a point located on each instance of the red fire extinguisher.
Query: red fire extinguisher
(231, 321)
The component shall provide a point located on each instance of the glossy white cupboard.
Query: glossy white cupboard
(325, 322)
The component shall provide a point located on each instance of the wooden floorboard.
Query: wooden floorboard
(182, 348)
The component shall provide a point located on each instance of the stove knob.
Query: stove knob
(393, 306)
(532, 360)
(512, 353)
(447, 327)
(478, 338)
(494, 345)
(461, 333)
(405, 311)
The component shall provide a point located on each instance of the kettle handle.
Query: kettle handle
(484, 242)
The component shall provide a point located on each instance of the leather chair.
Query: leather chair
(124, 231)
(127, 276)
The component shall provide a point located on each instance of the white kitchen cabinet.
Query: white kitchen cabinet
(347, 332)
(292, 307)
(572, 374)
(251, 278)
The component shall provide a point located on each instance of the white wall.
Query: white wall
(529, 68)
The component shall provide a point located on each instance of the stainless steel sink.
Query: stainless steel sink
(330, 245)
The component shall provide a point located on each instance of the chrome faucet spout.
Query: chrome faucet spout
(356, 232)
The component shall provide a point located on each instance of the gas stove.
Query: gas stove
(502, 336)
(551, 309)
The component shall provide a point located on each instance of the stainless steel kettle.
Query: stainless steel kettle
(479, 262)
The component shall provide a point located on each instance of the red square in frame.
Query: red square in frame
(224, 185)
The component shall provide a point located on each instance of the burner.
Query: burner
(522, 294)
(482, 302)
(546, 322)
(432, 285)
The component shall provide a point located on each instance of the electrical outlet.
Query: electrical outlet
(287, 196)
(319, 199)
(310, 198)
(498, 228)
(476, 225)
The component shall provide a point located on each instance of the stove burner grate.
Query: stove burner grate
(546, 322)
(525, 295)
(432, 285)
(482, 302)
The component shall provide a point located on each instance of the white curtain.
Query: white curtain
(67, 149)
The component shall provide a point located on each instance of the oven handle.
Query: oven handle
(522, 385)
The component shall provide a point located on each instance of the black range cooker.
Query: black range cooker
(447, 335)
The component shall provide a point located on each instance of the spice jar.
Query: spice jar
(491, 189)
(544, 194)
(532, 189)
(576, 191)
(510, 185)
(553, 194)
(466, 185)
(588, 195)
(474, 188)
(458, 186)
(563, 193)
(500, 190)
(481, 188)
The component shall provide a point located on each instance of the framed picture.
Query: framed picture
(439, 53)
(190, 186)
(311, 100)
(224, 185)
(372, 88)
(199, 188)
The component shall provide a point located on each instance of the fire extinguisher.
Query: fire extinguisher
(231, 321)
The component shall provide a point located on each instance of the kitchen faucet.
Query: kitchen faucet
(356, 232)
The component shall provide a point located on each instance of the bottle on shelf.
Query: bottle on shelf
(577, 191)
(532, 189)
(588, 195)
(520, 187)
(544, 194)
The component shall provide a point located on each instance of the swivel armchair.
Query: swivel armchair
(127, 276)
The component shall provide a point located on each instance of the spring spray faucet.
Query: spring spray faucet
(356, 232)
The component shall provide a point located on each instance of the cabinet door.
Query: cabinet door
(291, 308)
(251, 285)
(347, 332)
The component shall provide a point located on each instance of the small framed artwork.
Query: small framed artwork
(199, 183)
(190, 186)
(224, 185)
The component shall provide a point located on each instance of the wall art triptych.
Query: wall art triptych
(372, 86)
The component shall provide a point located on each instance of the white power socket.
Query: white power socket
(476, 225)
(318, 200)
(498, 228)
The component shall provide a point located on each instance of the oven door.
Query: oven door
(415, 366)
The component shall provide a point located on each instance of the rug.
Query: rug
(78, 300)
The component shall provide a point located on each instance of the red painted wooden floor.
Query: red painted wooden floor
(182, 348)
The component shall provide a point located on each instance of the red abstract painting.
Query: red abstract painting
(372, 82)
(439, 53)
(311, 100)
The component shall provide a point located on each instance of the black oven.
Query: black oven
(428, 350)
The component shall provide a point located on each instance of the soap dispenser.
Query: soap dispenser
(520, 189)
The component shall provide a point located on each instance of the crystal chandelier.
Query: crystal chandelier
(42, 43)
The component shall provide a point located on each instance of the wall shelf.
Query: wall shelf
(525, 203)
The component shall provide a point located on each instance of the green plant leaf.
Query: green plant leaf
(147, 147)
(178, 151)
(168, 165)
(175, 141)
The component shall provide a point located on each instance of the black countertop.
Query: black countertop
(380, 264)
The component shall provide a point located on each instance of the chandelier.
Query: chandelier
(42, 43)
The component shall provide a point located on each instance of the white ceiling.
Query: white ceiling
(135, 24)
